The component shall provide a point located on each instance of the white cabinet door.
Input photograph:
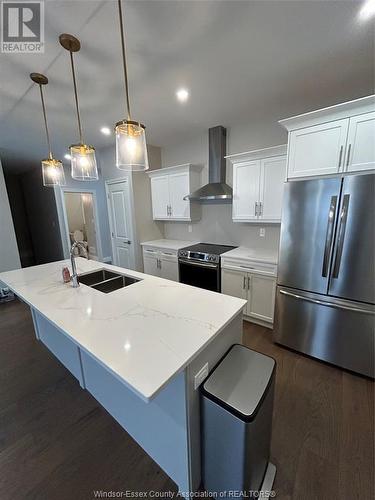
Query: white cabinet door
(160, 197)
(178, 188)
(246, 179)
(234, 283)
(261, 301)
(272, 179)
(360, 150)
(121, 225)
(151, 262)
(317, 150)
(169, 267)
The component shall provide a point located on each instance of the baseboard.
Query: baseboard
(257, 321)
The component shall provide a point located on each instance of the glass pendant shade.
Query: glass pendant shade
(83, 163)
(131, 149)
(53, 173)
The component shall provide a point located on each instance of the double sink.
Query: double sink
(106, 281)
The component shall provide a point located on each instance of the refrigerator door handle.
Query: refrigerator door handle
(329, 236)
(341, 235)
(328, 304)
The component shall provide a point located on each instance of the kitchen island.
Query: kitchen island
(141, 351)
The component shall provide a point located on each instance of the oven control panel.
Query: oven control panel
(199, 256)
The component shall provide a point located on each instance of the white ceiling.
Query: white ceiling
(241, 61)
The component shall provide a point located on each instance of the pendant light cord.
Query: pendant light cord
(124, 59)
(45, 122)
(76, 97)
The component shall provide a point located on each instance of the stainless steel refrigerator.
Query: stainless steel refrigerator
(325, 298)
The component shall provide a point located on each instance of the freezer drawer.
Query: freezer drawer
(340, 332)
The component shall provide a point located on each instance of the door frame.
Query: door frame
(107, 184)
(64, 190)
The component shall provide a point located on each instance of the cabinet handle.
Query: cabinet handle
(167, 209)
(256, 209)
(170, 210)
(244, 283)
(248, 282)
(260, 208)
(340, 155)
(348, 157)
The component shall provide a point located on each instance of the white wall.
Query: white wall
(9, 257)
(216, 225)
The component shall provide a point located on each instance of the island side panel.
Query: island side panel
(232, 334)
(159, 426)
(65, 350)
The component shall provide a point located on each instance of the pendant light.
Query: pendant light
(52, 169)
(83, 159)
(131, 148)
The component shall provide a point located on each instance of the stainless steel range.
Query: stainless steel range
(199, 265)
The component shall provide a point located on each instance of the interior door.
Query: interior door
(307, 232)
(272, 179)
(246, 179)
(121, 226)
(352, 274)
(361, 143)
(178, 188)
(317, 150)
(160, 197)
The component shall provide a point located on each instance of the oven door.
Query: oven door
(200, 274)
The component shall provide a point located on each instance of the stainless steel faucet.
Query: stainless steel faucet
(75, 281)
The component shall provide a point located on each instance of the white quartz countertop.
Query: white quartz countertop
(244, 253)
(144, 333)
(169, 244)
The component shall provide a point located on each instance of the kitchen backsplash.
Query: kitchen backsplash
(216, 226)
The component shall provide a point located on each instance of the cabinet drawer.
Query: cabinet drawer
(251, 267)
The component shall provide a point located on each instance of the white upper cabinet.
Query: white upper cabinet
(246, 178)
(361, 143)
(160, 196)
(317, 150)
(258, 184)
(271, 188)
(337, 139)
(169, 186)
(178, 187)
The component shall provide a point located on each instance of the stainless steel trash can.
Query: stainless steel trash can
(237, 404)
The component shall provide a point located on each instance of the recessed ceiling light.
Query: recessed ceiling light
(367, 11)
(105, 130)
(67, 157)
(182, 95)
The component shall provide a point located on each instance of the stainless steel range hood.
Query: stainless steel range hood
(216, 189)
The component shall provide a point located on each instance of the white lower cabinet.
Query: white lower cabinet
(151, 262)
(257, 288)
(161, 263)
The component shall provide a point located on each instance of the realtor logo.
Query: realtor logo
(22, 27)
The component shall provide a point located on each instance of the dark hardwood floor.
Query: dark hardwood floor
(57, 443)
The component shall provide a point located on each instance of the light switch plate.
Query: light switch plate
(262, 232)
(190, 228)
(200, 376)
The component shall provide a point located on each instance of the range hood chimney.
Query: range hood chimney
(216, 189)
